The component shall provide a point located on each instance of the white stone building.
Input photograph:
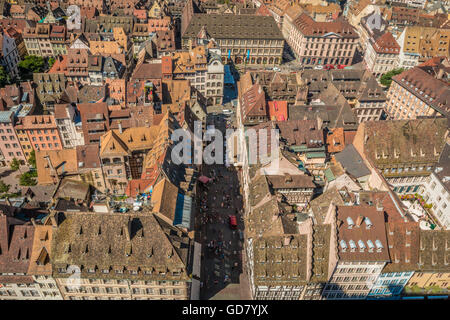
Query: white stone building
(382, 54)
(69, 125)
(436, 190)
(363, 253)
(214, 79)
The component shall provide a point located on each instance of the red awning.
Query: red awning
(204, 179)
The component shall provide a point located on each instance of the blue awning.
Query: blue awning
(183, 211)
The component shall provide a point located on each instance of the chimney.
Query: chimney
(287, 178)
(120, 126)
(359, 220)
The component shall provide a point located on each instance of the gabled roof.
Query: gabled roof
(386, 44)
(111, 144)
(16, 242)
(434, 255)
(361, 227)
(421, 82)
(404, 141)
(164, 198)
(141, 242)
(340, 27)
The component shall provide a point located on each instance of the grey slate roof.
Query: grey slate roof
(352, 162)
(5, 116)
(229, 26)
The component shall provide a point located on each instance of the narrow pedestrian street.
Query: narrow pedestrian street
(219, 199)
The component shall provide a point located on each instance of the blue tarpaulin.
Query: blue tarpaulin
(183, 211)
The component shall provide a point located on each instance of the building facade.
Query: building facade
(436, 189)
(382, 54)
(404, 151)
(420, 91)
(9, 55)
(42, 132)
(152, 259)
(249, 39)
(9, 142)
(322, 43)
(362, 251)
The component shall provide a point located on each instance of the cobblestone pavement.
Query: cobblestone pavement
(221, 245)
(12, 177)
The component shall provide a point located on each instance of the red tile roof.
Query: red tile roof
(335, 140)
(148, 71)
(308, 27)
(136, 186)
(403, 241)
(60, 65)
(424, 85)
(16, 242)
(349, 136)
(61, 111)
(361, 233)
(386, 44)
(278, 110)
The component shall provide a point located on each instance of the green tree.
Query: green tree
(30, 65)
(27, 179)
(15, 164)
(4, 188)
(5, 78)
(386, 79)
(50, 62)
(32, 159)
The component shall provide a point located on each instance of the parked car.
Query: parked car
(276, 69)
(227, 111)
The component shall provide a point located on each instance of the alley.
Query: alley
(222, 246)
